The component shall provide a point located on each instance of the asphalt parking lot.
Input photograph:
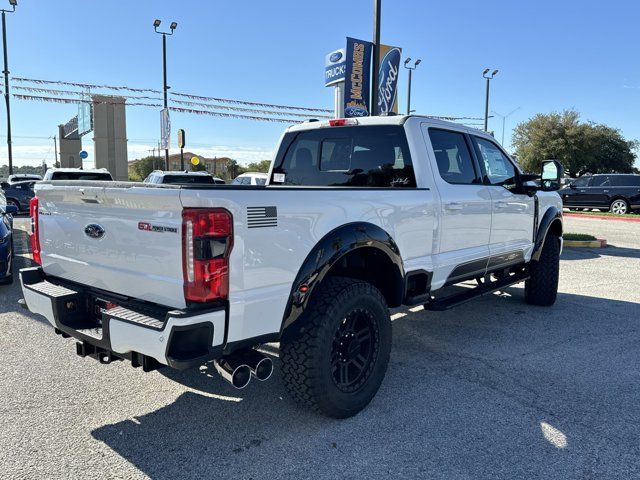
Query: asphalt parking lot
(492, 389)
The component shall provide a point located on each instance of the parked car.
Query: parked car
(19, 194)
(358, 216)
(618, 193)
(251, 178)
(6, 242)
(21, 177)
(159, 177)
(77, 174)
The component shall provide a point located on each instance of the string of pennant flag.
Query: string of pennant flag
(180, 102)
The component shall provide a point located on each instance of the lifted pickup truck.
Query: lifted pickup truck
(357, 216)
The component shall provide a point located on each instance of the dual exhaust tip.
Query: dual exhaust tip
(239, 367)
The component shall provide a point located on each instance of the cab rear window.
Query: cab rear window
(81, 176)
(188, 179)
(372, 156)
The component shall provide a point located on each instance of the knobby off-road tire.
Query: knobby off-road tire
(542, 286)
(336, 364)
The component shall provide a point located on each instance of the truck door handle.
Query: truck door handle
(453, 206)
(606, 191)
(502, 204)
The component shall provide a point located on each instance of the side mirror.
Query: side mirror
(5, 185)
(10, 209)
(552, 173)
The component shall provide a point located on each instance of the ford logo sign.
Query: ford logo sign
(94, 230)
(388, 80)
(335, 57)
(355, 112)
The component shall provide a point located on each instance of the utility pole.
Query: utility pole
(486, 75)
(165, 87)
(13, 4)
(55, 149)
(504, 118)
(377, 12)
(411, 69)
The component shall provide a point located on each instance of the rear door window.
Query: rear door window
(372, 156)
(453, 157)
(600, 181)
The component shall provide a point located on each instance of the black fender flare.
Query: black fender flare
(550, 217)
(324, 255)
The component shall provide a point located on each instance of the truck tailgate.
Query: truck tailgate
(122, 238)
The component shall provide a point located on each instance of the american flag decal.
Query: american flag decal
(258, 217)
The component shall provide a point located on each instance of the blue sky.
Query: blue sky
(552, 55)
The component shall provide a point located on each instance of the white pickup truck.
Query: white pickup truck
(357, 216)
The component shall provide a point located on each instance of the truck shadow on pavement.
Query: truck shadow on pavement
(493, 389)
(569, 253)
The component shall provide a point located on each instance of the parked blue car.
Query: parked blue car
(19, 194)
(6, 243)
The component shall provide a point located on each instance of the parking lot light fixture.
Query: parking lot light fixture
(13, 4)
(165, 87)
(411, 69)
(488, 77)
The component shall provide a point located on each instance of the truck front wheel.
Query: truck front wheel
(337, 362)
(542, 286)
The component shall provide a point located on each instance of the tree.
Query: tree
(580, 146)
(261, 166)
(234, 169)
(143, 167)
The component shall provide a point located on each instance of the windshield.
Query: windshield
(188, 179)
(81, 176)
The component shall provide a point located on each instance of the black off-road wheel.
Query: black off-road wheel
(542, 286)
(336, 363)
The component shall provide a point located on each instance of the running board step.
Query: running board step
(450, 301)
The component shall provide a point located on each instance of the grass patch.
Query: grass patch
(580, 237)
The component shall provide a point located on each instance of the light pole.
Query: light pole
(489, 77)
(13, 4)
(411, 69)
(377, 12)
(165, 88)
(504, 118)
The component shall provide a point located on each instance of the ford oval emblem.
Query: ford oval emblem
(388, 77)
(93, 230)
(335, 57)
(355, 111)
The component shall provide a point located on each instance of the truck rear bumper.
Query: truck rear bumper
(109, 326)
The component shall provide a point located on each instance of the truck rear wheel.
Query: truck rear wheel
(337, 362)
(542, 286)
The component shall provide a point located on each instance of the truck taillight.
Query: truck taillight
(207, 239)
(35, 231)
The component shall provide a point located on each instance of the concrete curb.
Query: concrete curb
(621, 218)
(598, 243)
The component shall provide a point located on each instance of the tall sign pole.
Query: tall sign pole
(377, 12)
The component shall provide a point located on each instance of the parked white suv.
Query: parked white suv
(159, 177)
(251, 178)
(357, 216)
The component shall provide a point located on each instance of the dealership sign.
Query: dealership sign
(388, 79)
(358, 66)
(334, 67)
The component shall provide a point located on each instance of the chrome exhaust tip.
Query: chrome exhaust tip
(233, 371)
(261, 366)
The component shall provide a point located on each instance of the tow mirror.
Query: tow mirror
(552, 173)
(10, 209)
